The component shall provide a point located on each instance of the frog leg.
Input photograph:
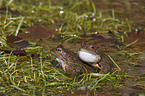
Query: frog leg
(97, 65)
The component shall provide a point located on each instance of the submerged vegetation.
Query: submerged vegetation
(37, 72)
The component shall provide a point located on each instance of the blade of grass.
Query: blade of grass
(18, 88)
(115, 63)
(102, 78)
(131, 43)
(9, 67)
(19, 26)
(10, 2)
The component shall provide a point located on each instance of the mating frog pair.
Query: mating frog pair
(94, 56)
(88, 59)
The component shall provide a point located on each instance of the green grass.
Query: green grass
(28, 76)
(24, 75)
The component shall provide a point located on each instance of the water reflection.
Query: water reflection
(135, 85)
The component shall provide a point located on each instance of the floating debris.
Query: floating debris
(38, 32)
(14, 12)
(19, 52)
(16, 42)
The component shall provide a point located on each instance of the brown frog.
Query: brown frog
(70, 61)
(94, 56)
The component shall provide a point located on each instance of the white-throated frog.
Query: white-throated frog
(94, 56)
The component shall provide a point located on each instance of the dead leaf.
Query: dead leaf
(19, 52)
(14, 12)
(16, 42)
(38, 32)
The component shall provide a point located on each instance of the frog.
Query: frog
(70, 62)
(94, 56)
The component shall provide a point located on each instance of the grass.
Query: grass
(25, 75)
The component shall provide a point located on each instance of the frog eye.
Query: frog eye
(59, 50)
(91, 46)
